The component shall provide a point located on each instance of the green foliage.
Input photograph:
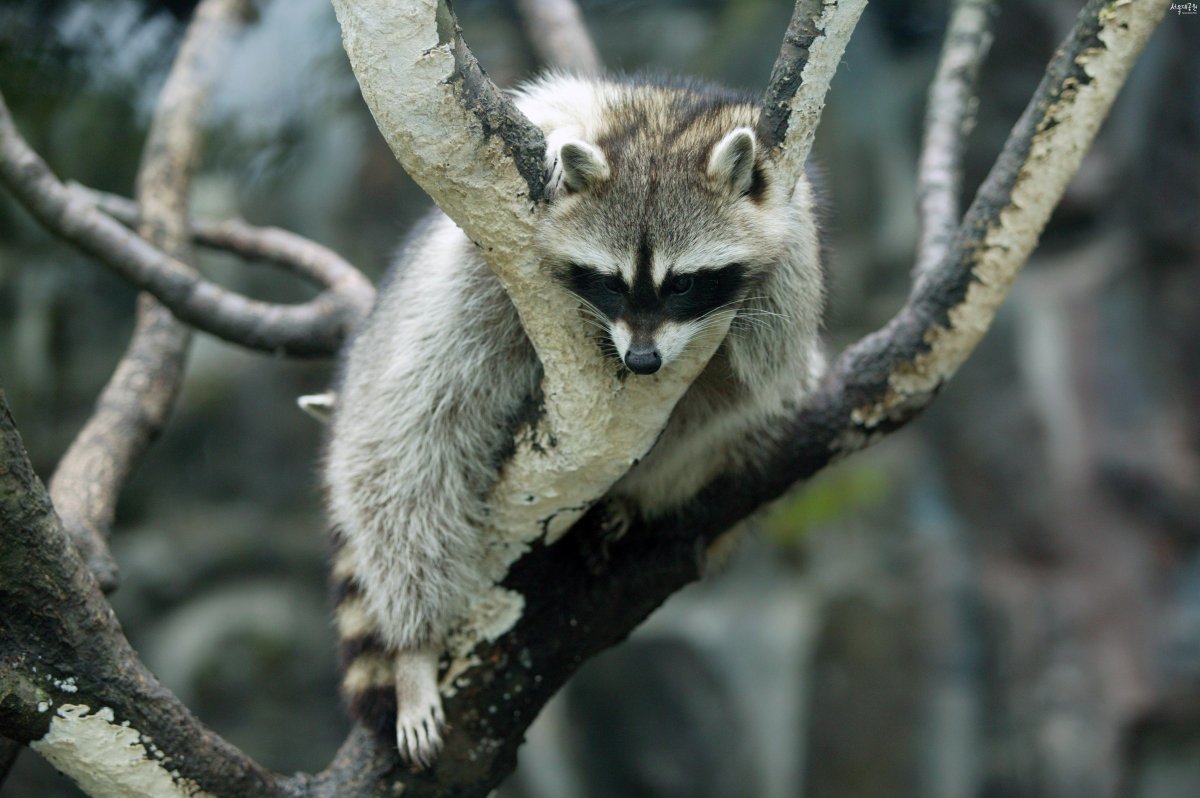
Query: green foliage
(834, 494)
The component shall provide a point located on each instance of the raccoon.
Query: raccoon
(665, 217)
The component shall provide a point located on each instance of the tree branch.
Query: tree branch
(71, 687)
(313, 328)
(306, 258)
(134, 405)
(949, 117)
(812, 48)
(556, 30)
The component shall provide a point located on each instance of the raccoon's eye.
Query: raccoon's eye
(613, 285)
(680, 284)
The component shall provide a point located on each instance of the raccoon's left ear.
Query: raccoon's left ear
(731, 165)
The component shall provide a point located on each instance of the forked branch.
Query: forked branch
(882, 382)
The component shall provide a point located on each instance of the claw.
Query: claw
(419, 717)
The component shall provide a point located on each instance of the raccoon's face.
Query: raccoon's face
(662, 243)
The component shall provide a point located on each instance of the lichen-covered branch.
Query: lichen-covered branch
(134, 405)
(313, 328)
(949, 117)
(555, 29)
(812, 48)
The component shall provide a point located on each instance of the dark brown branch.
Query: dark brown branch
(61, 645)
(314, 262)
(135, 404)
(949, 117)
(786, 74)
(313, 328)
(558, 34)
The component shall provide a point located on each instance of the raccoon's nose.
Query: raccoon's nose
(643, 361)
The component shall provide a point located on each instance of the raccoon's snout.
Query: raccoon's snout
(643, 361)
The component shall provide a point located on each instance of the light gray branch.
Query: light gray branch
(134, 405)
(558, 34)
(812, 48)
(949, 117)
(313, 328)
(315, 262)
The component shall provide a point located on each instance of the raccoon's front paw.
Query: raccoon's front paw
(419, 718)
(616, 516)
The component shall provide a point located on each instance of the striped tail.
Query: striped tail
(368, 669)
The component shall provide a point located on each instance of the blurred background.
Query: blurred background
(1003, 599)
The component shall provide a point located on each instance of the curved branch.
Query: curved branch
(313, 328)
(134, 405)
(949, 117)
(556, 30)
(315, 262)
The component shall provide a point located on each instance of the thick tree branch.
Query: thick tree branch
(949, 117)
(71, 687)
(313, 328)
(556, 30)
(134, 405)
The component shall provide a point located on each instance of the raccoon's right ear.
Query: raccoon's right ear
(583, 165)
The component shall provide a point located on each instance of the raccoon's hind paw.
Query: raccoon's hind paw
(419, 718)
(419, 734)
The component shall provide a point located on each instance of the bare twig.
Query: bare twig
(313, 328)
(314, 262)
(556, 30)
(134, 405)
(949, 117)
